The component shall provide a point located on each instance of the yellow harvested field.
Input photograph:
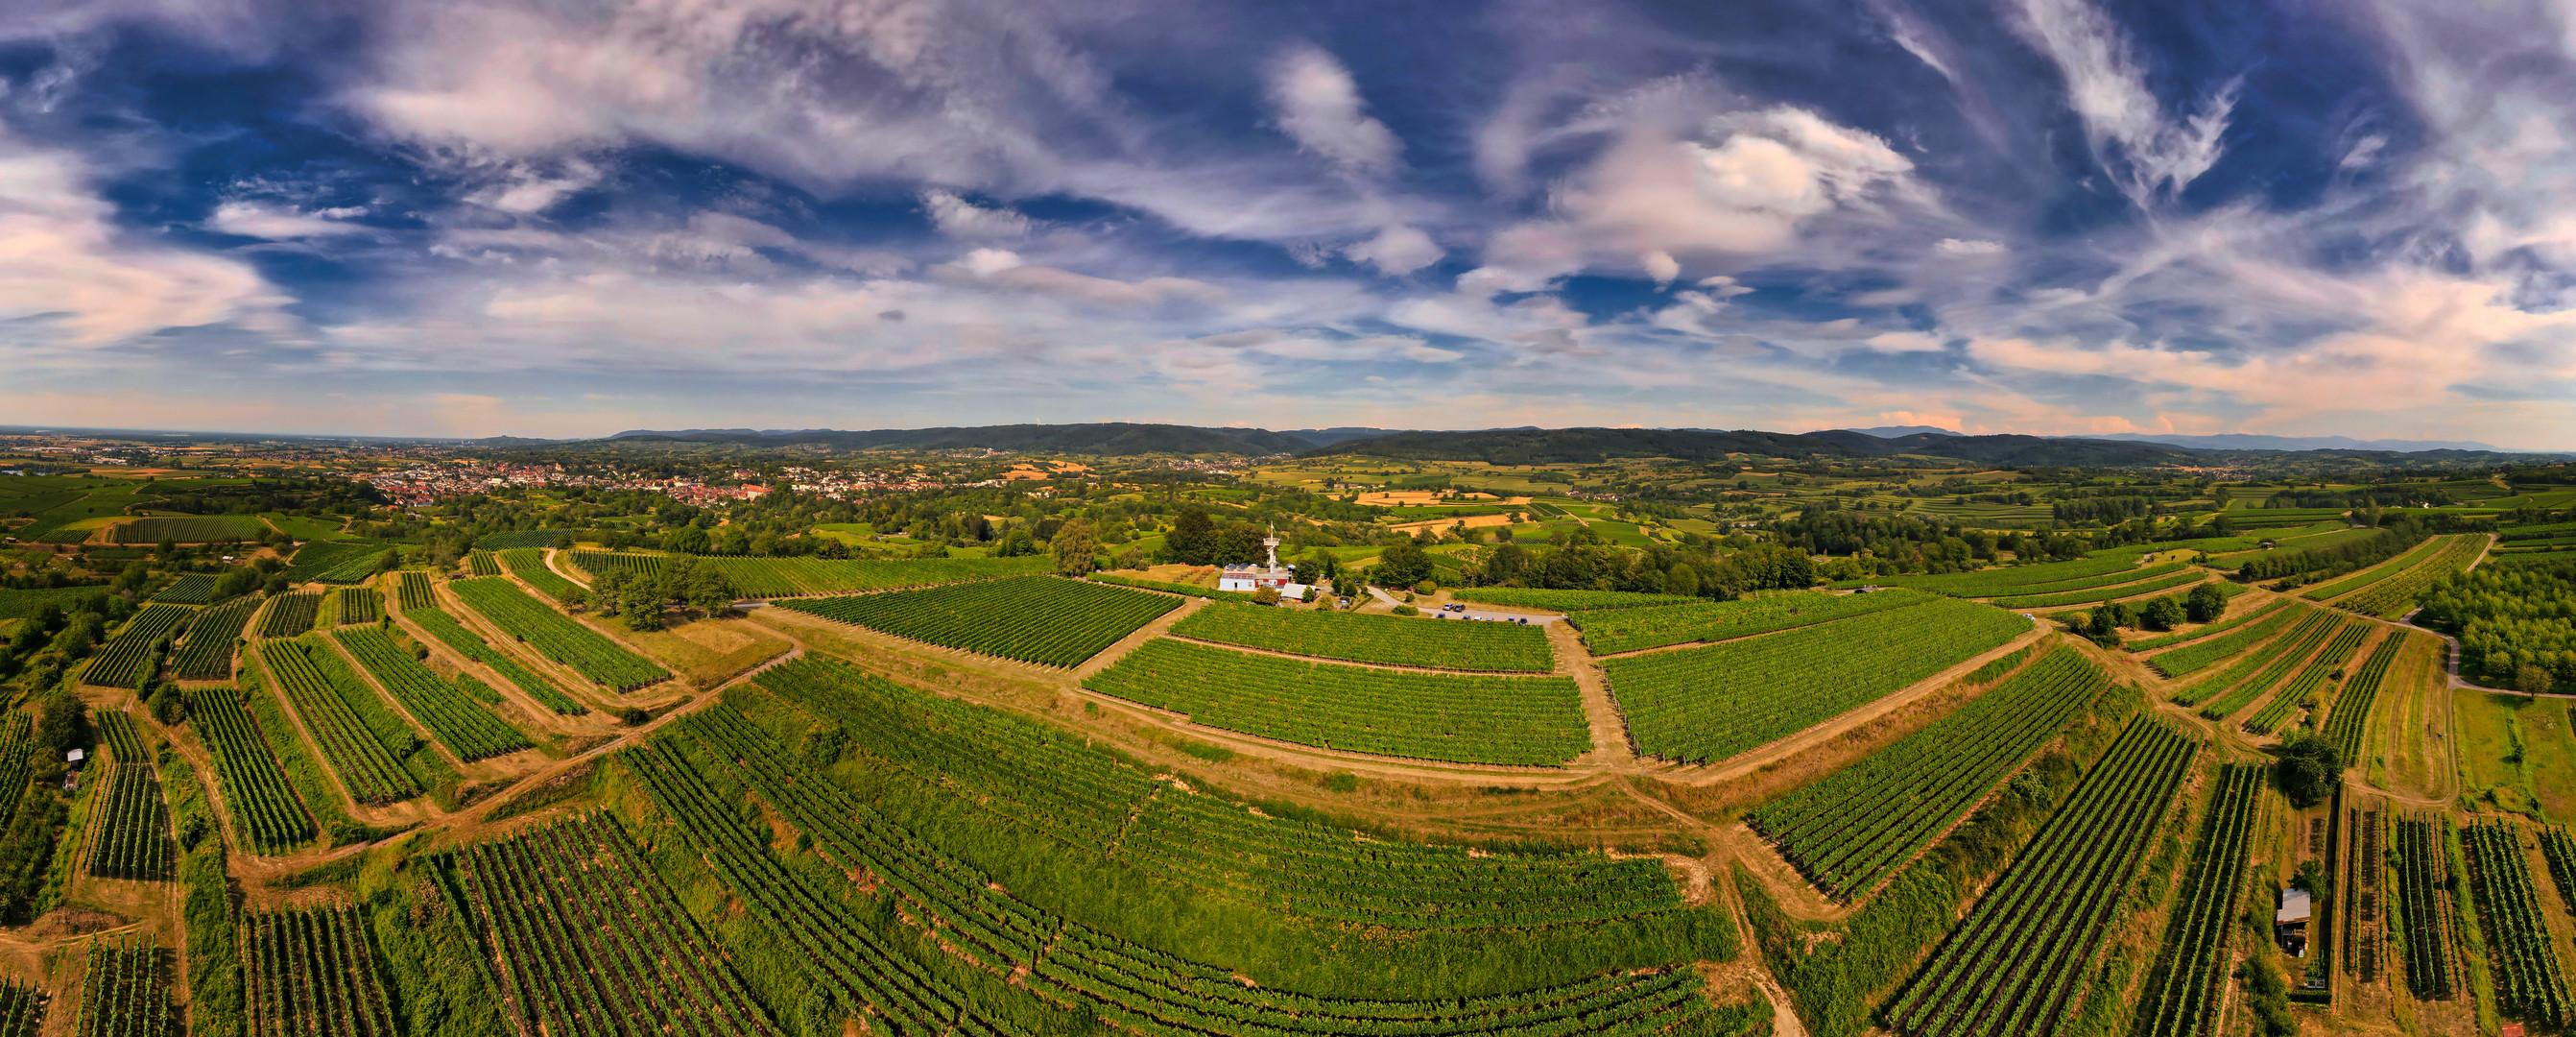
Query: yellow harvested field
(1425, 498)
(1470, 521)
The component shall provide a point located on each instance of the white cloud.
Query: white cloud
(1319, 106)
(985, 262)
(259, 220)
(1397, 250)
(964, 220)
(1742, 185)
(1660, 265)
(2128, 127)
(1968, 247)
(63, 263)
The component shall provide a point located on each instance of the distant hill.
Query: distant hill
(2248, 441)
(1344, 434)
(1112, 439)
(1897, 431)
(1589, 445)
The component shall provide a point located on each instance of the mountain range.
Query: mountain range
(1532, 445)
(2231, 440)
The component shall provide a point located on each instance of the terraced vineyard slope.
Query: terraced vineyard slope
(370, 772)
(1393, 640)
(1035, 619)
(311, 971)
(1852, 829)
(2187, 985)
(2007, 967)
(129, 657)
(462, 725)
(447, 630)
(557, 636)
(207, 654)
(585, 938)
(1610, 631)
(1457, 718)
(255, 788)
(1700, 705)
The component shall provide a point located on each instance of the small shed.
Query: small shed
(2290, 923)
(74, 757)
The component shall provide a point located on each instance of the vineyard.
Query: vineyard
(126, 659)
(2182, 662)
(445, 628)
(22, 1009)
(2375, 574)
(1034, 619)
(1457, 718)
(2365, 935)
(1564, 600)
(1056, 786)
(2558, 849)
(2222, 626)
(124, 991)
(17, 755)
(557, 636)
(2524, 960)
(2098, 594)
(1138, 988)
(1852, 829)
(192, 589)
(2425, 907)
(1705, 704)
(2389, 599)
(525, 538)
(358, 568)
(1186, 590)
(2260, 669)
(207, 654)
(360, 605)
(291, 614)
(482, 563)
(2184, 991)
(583, 938)
(794, 577)
(529, 564)
(2311, 678)
(131, 837)
(262, 803)
(465, 728)
(1632, 629)
(2350, 717)
(2009, 965)
(366, 767)
(310, 971)
(323, 556)
(189, 529)
(2021, 580)
(412, 591)
(1393, 640)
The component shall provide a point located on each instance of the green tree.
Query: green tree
(709, 591)
(1073, 548)
(1192, 540)
(688, 540)
(2205, 603)
(1403, 564)
(2163, 614)
(2309, 769)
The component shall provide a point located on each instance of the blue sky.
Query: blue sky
(568, 218)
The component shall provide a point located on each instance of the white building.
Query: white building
(1241, 577)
